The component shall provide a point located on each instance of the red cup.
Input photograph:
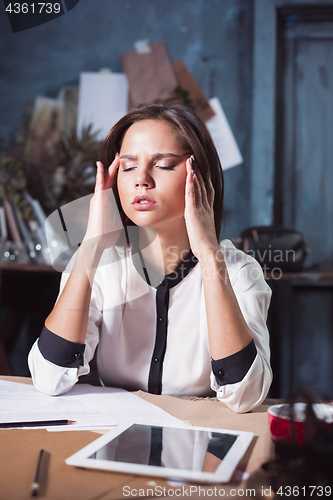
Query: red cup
(282, 428)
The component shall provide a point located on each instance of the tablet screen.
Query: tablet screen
(187, 449)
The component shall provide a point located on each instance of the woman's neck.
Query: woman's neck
(163, 250)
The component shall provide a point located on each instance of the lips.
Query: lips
(143, 202)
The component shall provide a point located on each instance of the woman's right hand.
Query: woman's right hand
(104, 222)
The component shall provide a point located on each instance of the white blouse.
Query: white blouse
(156, 338)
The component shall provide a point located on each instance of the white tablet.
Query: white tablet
(196, 454)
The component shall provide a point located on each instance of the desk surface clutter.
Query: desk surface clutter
(20, 449)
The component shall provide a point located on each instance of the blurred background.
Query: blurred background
(270, 64)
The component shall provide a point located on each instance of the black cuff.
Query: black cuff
(60, 351)
(233, 369)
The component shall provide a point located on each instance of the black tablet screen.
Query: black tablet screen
(188, 449)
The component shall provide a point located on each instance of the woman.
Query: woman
(172, 310)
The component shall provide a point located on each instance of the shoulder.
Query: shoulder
(234, 258)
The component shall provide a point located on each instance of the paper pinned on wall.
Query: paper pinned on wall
(151, 75)
(103, 100)
(222, 136)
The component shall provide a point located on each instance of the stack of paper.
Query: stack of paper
(90, 407)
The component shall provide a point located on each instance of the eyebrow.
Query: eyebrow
(157, 156)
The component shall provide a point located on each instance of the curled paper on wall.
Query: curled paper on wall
(223, 138)
(196, 95)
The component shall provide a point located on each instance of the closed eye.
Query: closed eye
(128, 169)
(161, 167)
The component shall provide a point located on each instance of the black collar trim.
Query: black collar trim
(172, 279)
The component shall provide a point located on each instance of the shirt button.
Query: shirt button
(221, 373)
(77, 355)
(161, 320)
(156, 360)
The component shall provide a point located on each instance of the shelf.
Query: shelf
(12, 266)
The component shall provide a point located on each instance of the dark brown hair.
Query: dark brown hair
(193, 136)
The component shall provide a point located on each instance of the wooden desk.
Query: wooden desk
(20, 449)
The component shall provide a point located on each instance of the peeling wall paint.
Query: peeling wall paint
(213, 37)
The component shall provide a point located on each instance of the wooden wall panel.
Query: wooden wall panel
(307, 132)
(314, 146)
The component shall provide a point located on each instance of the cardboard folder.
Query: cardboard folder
(196, 95)
(150, 74)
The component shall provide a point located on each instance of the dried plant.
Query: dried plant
(57, 175)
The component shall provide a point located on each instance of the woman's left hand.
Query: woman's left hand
(199, 213)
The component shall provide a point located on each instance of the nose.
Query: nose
(143, 177)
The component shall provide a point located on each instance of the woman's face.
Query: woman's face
(152, 174)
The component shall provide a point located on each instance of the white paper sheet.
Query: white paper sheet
(23, 403)
(103, 100)
(90, 407)
(223, 137)
(124, 406)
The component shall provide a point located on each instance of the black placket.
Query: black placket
(162, 306)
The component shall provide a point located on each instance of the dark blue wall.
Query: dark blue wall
(213, 37)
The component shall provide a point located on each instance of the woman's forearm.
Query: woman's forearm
(69, 316)
(227, 329)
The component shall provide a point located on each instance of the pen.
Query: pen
(34, 489)
(38, 423)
